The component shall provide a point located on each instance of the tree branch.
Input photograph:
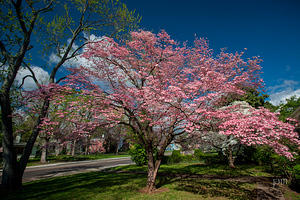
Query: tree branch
(17, 6)
(62, 78)
(76, 50)
(32, 75)
(4, 51)
(23, 80)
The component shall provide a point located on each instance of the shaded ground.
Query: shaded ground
(180, 181)
(243, 187)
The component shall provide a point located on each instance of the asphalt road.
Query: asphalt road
(68, 168)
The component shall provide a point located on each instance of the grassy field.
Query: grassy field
(178, 181)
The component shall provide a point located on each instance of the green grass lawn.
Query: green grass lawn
(178, 181)
(69, 158)
(202, 169)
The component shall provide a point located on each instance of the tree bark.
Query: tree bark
(153, 166)
(13, 170)
(68, 148)
(73, 148)
(86, 150)
(230, 158)
(58, 148)
(11, 178)
(44, 150)
(117, 148)
(30, 143)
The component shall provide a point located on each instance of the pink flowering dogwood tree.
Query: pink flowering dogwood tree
(239, 123)
(70, 117)
(259, 127)
(158, 87)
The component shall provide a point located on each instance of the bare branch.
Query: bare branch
(45, 9)
(74, 54)
(62, 78)
(4, 62)
(32, 75)
(23, 80)
(66, 53)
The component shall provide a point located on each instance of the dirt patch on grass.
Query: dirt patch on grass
(155, 191)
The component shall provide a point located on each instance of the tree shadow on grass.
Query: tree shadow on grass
(216, 181)
(215, 171)
(216, 188)
(81, 185)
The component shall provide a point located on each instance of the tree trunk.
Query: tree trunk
(73, 148)
(35, 132)
(44, 150)
(68, 148)
(86, 146)
(117, 149)
(230, 158)
(12, 170)
(153, 167)
(11, 178)
(58, 148)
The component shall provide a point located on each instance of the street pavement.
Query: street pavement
(62, 169)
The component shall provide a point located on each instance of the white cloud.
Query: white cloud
(41, 75)
(78, 60)
(279, 93)
(92, 37)
(53, 59)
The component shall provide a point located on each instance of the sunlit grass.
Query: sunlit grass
(69, 158)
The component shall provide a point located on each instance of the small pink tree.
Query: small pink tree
(158, 88)
(240, 123)
(96, 147)
(70, 117)
(259, 127)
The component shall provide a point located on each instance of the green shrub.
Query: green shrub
(281, 166)
(198, 154)
(297, 170)
(176, 157)
(138, 154)
(245, 154)
(295, 183)
(262, 155)
(213, 158)
(165, 159)
(188, 158)
(209, 158)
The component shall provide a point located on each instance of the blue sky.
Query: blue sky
(267, 28)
